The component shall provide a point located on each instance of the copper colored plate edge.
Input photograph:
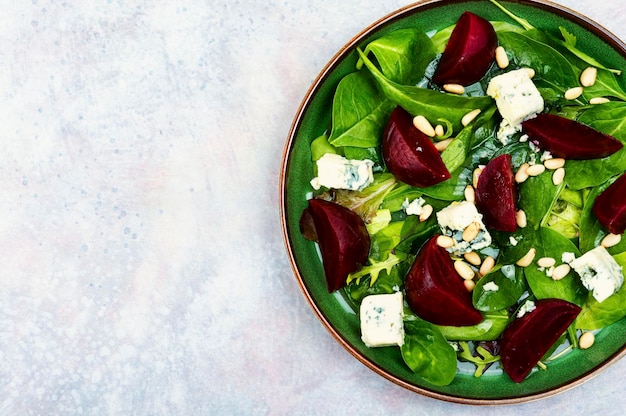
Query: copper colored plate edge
(581, 20)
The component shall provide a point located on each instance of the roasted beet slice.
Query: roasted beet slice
(496, 193)
(529, 338)
(569, 139)
(342, 237)
(469, 53)
(610, 206)
(435, 291)
(409, 154)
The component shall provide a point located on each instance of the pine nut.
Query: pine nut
(528, 258)
(454, 88)
(535, 170)
(599, 100)
(423, 125)
(471, 232)
(588, 76)
(558, 176)
(611, 240)
(470, 194)
(520, 219)
(472, 258)
(469, 285)
(522, 173)
(560, 271)
(554, 163)
(464, 270)
(469, 117)
(501, 58)
(546, 262)
(586, 340)
(487, 265)
(427, 211)
(530, 72)
(445, 241)
(439, 130)
(573, 93)
(475, 176)
(443, 145)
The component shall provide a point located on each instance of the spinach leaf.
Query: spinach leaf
(431, 104)
(609, 118)
(359, 112)
(511, 286)
(427, 353)
(537, 196)
(387, 282)
(550, 243)
(403, 55)
(595, 315)
(489, 329)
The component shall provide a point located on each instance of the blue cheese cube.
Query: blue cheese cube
(599, 272)
(335, 171)
(381, 320)
(517, 99)
(454, 219)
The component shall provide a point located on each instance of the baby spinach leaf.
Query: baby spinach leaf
(537, 196)
(493, 324)
(359, 112)
(427, 353)
(550, 243)
(403, 55)
(429, 103)
(510, 287)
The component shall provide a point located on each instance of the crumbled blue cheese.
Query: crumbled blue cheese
(599, 272)
(381, 320)
(414, 207)
(491, 287)
(457, 216)
(517, 99)
(335, 171)
(567, 257)
(527, 307)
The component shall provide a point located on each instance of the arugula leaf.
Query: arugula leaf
(522, 22)
(569, 41)
(374, 269)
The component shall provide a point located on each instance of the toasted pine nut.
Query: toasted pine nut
(427, 211)
(454, 88)
(558, 176)
(546, 262)
(586, 340)
(611, 240)
(472, 258)
(520, 218)
(471, 231)
(530, 72)
(487, 265)
(588, 76)
(475, 176)
(501, 58)
(439, 130)
(599, 100)
(561, 271)
(573, 93)
(469, 285)
(522, 173)
(528, 258)
(464, 270)
(443, 145)
(470, 194)
(423, 125)
(469, 117)
(554, 163)
(445, 241)
(535, 170)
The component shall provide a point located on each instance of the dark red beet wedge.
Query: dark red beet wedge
(610, 206)
(342, 237)
(409, 154)
(529, 338)
(469, 53)
(496, 193)
(569, 139)
(435, 291)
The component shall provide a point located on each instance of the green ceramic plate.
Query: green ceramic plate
(313, 118)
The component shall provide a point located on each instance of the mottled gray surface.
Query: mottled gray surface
(143, 268)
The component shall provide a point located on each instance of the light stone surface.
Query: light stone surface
(144, 270)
